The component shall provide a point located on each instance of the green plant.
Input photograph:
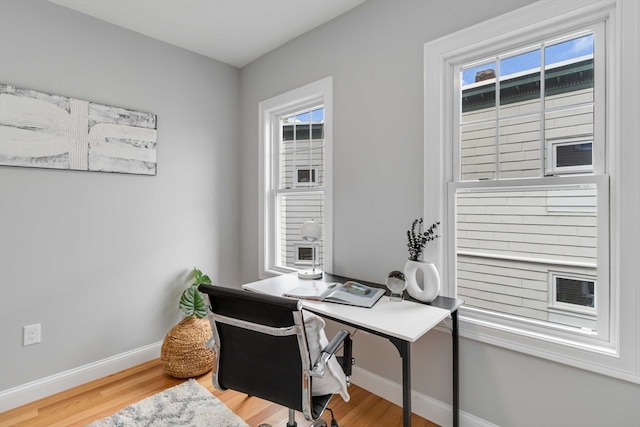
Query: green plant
(192, 301)
(417, 239)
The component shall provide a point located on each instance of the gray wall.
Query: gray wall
(101, 259)
(375, 55)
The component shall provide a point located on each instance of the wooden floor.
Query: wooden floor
(98, 399)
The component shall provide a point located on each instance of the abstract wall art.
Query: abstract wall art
(41, 130)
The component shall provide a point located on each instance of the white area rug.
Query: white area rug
(186, 405)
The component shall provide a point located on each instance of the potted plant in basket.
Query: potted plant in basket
(184, 352)
(417, 239)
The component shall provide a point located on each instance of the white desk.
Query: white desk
(401, 322)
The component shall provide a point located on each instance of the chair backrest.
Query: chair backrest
(260, 346)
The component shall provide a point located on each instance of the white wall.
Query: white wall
(375, 55)
(100, 259)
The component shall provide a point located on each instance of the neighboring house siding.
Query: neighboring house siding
(520, 135)
(301, 154)
(302, 159)
(509, 242)
(490, 236)
(525, 229)
(515, 287)
(307, 206)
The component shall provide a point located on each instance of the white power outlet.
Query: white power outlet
(31, 334)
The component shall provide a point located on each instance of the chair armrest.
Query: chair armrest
(332, 347)
(329, 350)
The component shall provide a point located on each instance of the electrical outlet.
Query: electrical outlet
(31, 334)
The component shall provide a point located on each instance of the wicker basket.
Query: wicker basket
(184, 352)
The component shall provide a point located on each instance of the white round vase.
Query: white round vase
(430, 280)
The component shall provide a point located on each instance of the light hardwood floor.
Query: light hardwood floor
(101, 398)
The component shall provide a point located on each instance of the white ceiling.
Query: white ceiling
(232, 31)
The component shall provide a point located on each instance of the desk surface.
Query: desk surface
(405, 320)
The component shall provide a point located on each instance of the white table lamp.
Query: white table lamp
(311, 231)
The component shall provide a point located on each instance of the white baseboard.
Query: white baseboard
(26, 393)
(421, 404)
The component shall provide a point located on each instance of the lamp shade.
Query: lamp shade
(311, 231)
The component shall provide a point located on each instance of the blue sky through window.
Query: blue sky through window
(554, 54)
(316, 115)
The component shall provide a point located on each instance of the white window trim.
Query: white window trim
(622, 358)
(322, 91)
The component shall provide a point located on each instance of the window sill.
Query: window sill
(598, 358)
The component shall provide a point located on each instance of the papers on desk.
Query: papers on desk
(352, 293)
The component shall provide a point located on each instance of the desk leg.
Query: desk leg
(456, 367)
(404, 348)
(405, 352)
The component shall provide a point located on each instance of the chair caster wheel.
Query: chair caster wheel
(319, 423)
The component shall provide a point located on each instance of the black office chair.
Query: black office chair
(262, 350)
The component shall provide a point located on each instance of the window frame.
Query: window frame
(269, 125)
(620, 356)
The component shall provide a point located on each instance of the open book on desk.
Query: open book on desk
(352, 293)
